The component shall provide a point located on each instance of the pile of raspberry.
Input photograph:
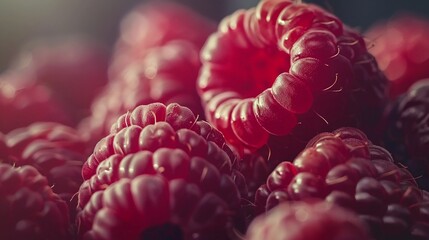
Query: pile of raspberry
(277, 123)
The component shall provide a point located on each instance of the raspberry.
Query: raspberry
(309, 221)
(287, 70)
(405, 130)
(406, 59)
(74, 69)
(55, 150)
(29, 208)
(160, 171)
(21, 105)
(167, 74)
(153, 24)
(345, 168)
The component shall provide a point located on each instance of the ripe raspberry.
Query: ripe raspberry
(28, 207)
(287, 70)
(401, 48)
(74, 69)
(21, 105)
(155, 24)
(55, 150)
(160, 171)
(308, 221)
(167, 74)
(405, 130)
(343, 167)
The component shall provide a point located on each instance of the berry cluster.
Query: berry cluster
(277, 125)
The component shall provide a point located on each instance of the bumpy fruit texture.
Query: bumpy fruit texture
(28, 207)
(55, 150)
(166, 74)
(23, 105)
(278, 74)
(405, 130)
(308, 221)
(74, 69)
(344, 168)
(401, 48)
(159, 172)
(154, 24)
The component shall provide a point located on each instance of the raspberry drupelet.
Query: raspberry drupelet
(275, 75)
(160, 171)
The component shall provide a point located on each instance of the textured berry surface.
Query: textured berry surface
(308, 221)
(401, 48)
(405, 131)
(74, 69)
(287, 70)
(21, 105)
(160, 171)
(55, 150)
(345, 168)
(167, 74)
(28, 207)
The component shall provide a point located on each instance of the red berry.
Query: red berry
(159, 171)
(300, 69)
(343, 167)
(73, 69)
(405, 130)
(166, 74)
(29, 208)
(21, 104)
(401, 49)
(155, 24)
(55, 150)
(307, 221)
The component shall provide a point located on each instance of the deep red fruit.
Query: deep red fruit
(21, 105)
(74, 69)
(160, 171)
(167, 74)
(5, 156)
(55, 150)
(155, 24)
(402, 51)
(345, 168)
(28, 207)
(405, 130)
(284, 71)
(308, 221)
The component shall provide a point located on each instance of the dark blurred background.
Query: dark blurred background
(24, 20)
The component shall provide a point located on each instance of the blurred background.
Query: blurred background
(23, 20)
